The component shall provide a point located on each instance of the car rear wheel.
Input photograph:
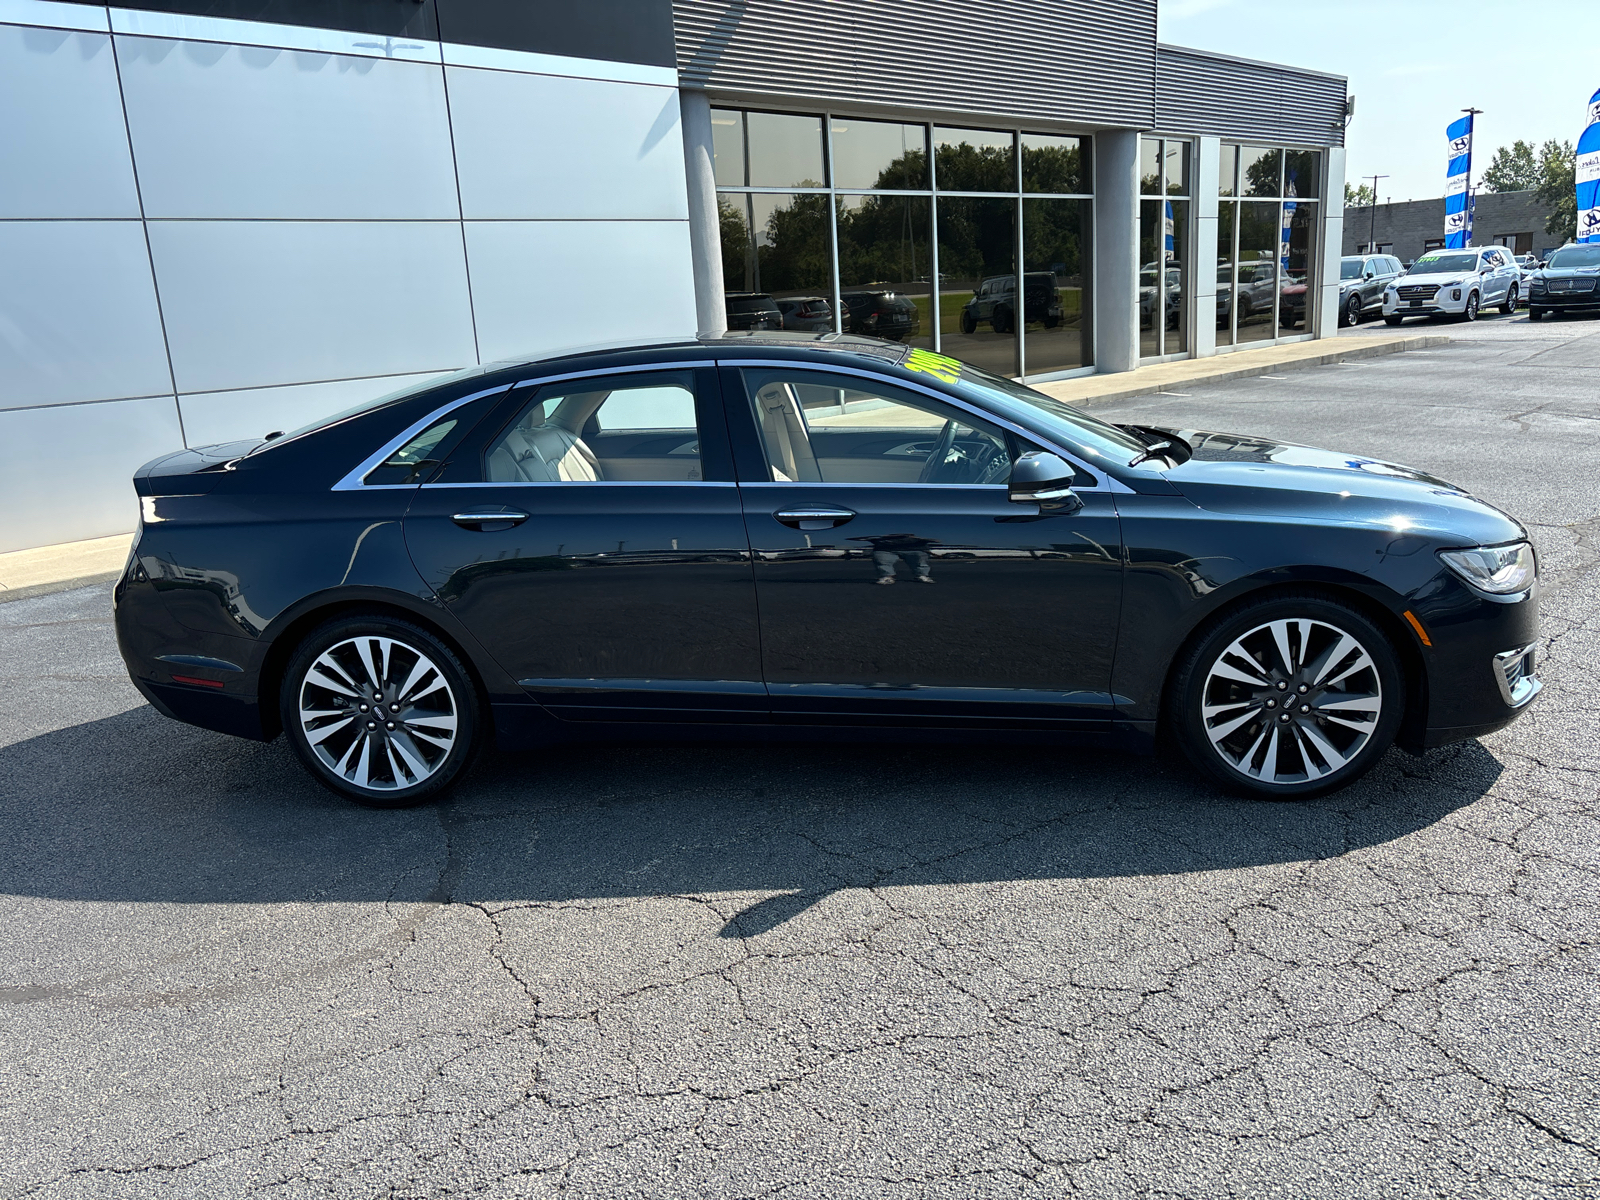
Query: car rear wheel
(1352, 311)
(1290, 697)
(380, 711)
(1510, 306)
(1470, 313)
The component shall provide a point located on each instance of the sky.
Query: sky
(1413, 65)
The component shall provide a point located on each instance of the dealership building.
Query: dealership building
(221, 218)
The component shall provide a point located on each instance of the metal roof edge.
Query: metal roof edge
(1254, 62)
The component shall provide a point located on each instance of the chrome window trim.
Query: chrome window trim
(1103, 480)
(581, 483)
(352, 481)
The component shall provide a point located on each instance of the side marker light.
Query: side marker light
(1417, 625)
(191, 680)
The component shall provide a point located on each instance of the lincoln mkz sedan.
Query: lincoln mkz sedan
(788, 536)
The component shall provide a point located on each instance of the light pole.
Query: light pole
(1372, 232)
(1466, 213)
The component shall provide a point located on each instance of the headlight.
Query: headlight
(1498, 570)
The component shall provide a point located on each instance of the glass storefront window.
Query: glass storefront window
(1258, 276)
(1163, 286)
(879, 154)
(1227, 220)
(978, 282)
(775, 247)
(1056, 272)
(1296, 268)
(784, 150)
(1175, 157)
(1260, 171)
(974, 160)
(727, 147)
(1302, 170)
(885, 267)
(1150, 166)
(1228, 171)
(1055, 164)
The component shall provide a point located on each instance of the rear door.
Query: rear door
(590, 537)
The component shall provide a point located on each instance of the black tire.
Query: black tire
(1000, 322)
(1470, 313)
(1352, 311)
(417, 741)
(1535, 314)
(969, 323)
(1393, 320)
(1510, 305)
(1278, 739)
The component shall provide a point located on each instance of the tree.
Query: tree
(1558, 187)
(1359, 197)
(1514, 169)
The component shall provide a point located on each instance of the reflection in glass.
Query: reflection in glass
(879, 154)
(974, 160)
(1056, 268)
(1150, 166)
(1163, 304)
(977, 266)
(1257, 285)
(1260, 171)
(1297, 269)
(773, 247)
(885, 268)
(1301, 169)
(1227, 220)
(1228, 171)
(1055, 164)
(785, 150)
(1176, 156)
(727, 147)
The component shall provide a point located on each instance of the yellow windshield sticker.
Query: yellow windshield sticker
(946, 370)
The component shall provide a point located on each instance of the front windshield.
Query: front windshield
(1350, 268)
(1436, 264)
(1056, 418)
(368, 405)
(1575, 256)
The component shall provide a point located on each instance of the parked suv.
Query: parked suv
(806, 314)
(995, 301)
(1362, 280)
(883, 313)
(752, 310)
(1455, 283)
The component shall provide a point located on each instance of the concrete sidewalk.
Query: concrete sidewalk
(45, 569)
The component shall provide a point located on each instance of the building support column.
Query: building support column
(1116, 250)
(1332, 233)
(1203, 262)
(705, 230)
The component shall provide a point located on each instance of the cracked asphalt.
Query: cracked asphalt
(869, 971)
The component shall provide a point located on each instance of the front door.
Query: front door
(897, 582)
(591, 539)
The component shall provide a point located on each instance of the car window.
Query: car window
(821, 428)
(413, 460)
(628, 428)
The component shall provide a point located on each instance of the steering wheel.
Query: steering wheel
(941, 450)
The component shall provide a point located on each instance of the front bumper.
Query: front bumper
(1550, 301)
(1482, 664)
(1444, 301)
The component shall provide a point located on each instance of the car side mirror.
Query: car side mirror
(1039, 477)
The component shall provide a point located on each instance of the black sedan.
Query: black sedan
(799, 536)
(1569, 282)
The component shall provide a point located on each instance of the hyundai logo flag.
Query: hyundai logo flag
(1167, 227)
(1589, 176)
(1457, 223)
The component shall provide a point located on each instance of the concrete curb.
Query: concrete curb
(56, 585)
(1222, 374)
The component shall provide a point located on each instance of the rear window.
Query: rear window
(405, 393)
(751, 304)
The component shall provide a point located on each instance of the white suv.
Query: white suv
(1455, 282)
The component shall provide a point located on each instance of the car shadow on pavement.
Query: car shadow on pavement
(135, 808)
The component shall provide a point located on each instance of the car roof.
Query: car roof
(733, 341)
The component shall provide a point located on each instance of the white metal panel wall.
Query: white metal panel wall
(291, 239)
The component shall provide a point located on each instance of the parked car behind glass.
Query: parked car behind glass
(806, 314)
(880, 312)
(995, 301)
(752, 311)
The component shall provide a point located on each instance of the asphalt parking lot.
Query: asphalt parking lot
(819, 971)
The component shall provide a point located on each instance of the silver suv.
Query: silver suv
(1455, 283)
(1362, 280)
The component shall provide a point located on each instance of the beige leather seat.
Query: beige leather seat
(783, 431)
(542, 449)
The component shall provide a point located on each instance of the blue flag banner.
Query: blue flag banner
(1588, 175)
(1457, 223)
(1167, 227)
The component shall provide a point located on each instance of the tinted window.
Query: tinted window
(974, 160)
(879, 154)
(1569, 257)
(413, 460)
(784, 150)
(1054, 164)
(630, 428)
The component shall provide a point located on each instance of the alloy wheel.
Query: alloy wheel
(1471, 313)
(378, 713)
(1352, 312)
(1291, 701)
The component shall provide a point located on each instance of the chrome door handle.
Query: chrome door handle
(813, 517)
(480, 519)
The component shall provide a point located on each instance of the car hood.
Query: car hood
(1435, 278)
(1251, 476)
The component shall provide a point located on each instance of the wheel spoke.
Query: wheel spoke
(323, 732)
(1303, 743)
(1344, 702)
(1280, 635)
(1220, 731)
(1335, 758)
(334, 677)
(1270, 762)
(1226, 670)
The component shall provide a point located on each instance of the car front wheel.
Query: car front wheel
(1510, 306)
(1288, 698)
(1470, 313)
(380, 711)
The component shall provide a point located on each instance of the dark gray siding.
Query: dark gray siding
(1203, 93)
(1075, 60)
